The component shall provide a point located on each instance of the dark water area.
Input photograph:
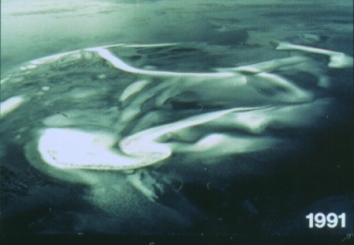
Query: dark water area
(211, 119)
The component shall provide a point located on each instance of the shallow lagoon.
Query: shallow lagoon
(230, 134)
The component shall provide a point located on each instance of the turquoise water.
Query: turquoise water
(196, 118)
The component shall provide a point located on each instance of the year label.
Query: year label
(332, 220)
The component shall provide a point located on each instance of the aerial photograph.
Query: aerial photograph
(167, 121)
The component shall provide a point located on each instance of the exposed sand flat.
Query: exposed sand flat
(177, 117)
(10, 105)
